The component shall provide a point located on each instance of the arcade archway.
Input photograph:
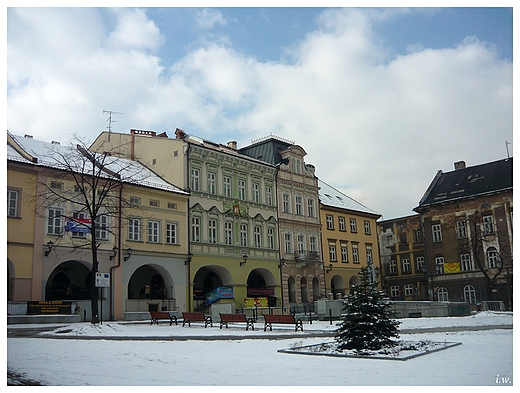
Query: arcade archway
(70, 280)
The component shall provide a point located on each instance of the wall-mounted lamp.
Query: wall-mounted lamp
(128, 254)
(245, 260)
(190, 257)
(282, 263)
(114, 252)
(50, 247)
(329, 268)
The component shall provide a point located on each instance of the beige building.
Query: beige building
(349, 238)
(233, 222)
(140, 232)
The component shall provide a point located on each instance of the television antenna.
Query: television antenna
(507, 149)
(110, 121)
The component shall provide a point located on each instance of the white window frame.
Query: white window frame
(299, 205)
(369, 254)
(195, 179)
(171, 233)
(330, 222)
(442, 294)
(310, 207)
(344, 253)
(332, 252)
(288, 243)
(13, 203)
(392, 266)
(256, 192)
(465, 262)
(408, 290)
(437, 233)
(313, 243)
(79, 235)
(243, 235)
(269, 195)
(462, 232)
(487, 222)
(195, 229)
(270, 238)
(407, 266)
(212, 231)
(54, 221)
(228, 232)
(492, 257)
(394, 291)
(353, 225)
(341, 224)
(367, 227)
(419, 263)
(355, 253)
(227, 186)
(286, 199)
(257, 231)
(439, 264)
(470, 295)
(154, 231)
(134, 229)
(212, 183)
(102, 227)
(242, 189)
(301, 243)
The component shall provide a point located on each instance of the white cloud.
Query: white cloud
(376, 127)
(207, 18)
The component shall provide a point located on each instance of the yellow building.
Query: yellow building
(139, 232)
(349, 239)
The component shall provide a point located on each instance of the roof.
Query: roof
(267, 150)
(329, 196)
(470, 182)
(52, 155)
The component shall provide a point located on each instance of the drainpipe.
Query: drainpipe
(190, 294)
(112, 295)
(132, 145)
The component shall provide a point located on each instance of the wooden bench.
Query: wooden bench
(236, 318)
(283, 319)
(189, 317)
(156, 315)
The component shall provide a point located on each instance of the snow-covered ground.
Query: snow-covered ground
(484, 358)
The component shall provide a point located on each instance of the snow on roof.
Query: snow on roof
(52, 155)
(329, 196)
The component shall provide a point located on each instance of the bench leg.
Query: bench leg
(186, 321)
(267, 324)
(223, 324)
(250, 324)
(299, 325)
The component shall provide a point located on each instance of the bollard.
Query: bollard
(330, 315)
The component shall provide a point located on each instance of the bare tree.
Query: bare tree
(92, 183)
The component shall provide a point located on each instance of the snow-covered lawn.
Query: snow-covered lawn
(484, 358)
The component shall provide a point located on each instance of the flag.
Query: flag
(453, 267)
(78, 225)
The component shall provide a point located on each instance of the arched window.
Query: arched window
(469, 294)
(442, 294)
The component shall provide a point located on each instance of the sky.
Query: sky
(379, 98)
(485, 357)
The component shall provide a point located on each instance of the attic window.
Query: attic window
(328, 196)
(341, 200)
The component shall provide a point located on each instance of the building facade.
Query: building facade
(300, 259)
(403, 267)
(349, 239)
(467, 221)
(233, 225)
(139, 231)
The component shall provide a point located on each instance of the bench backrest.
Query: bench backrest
(233, 317)
(193, 316)
(279, 318)
(159, 314)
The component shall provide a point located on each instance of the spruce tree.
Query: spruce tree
(367, 322)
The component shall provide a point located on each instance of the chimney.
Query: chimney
(232, 145)
(459, 165)
(180, 134)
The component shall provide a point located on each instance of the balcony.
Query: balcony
(307, 256)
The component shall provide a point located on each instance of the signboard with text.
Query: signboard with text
(48, 307)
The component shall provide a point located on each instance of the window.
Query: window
(465, 262)
(492, 257)
(461, 230)
(154, 203)
(310, 207)
(153, 231)
(407, 267)
(135, 200)
(408, 290)
(353, 227)
(301, 243)
(269, 195)
(355, 254)
(488, 224)
(256, 193)
(212, 183)
(299, 208)
(12, 203)
(102, 227)
(402, 238)
(195, 173)
(469, 294)
(242, 190)
(341, 224)
(439, 264)
(134, 229)
(417, 236)
(330, 221)
(171, 233)
(369, 254)
(367, 227)
(54, 221)
(228, 232)
(442, 294)
(243, 235)
(394, 291)
(420, 264)
(212, 231)
(344, 253)
(172, 205)
(313, 243)
(436, 232)
(195, 229)
(288, 243)
(270, 238)
(286, 203)
(79, 235)
(227, 186)
(56, 185)
(332, 252)
(258, 236)
(392, 266)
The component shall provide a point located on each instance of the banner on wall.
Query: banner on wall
(250, 302)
